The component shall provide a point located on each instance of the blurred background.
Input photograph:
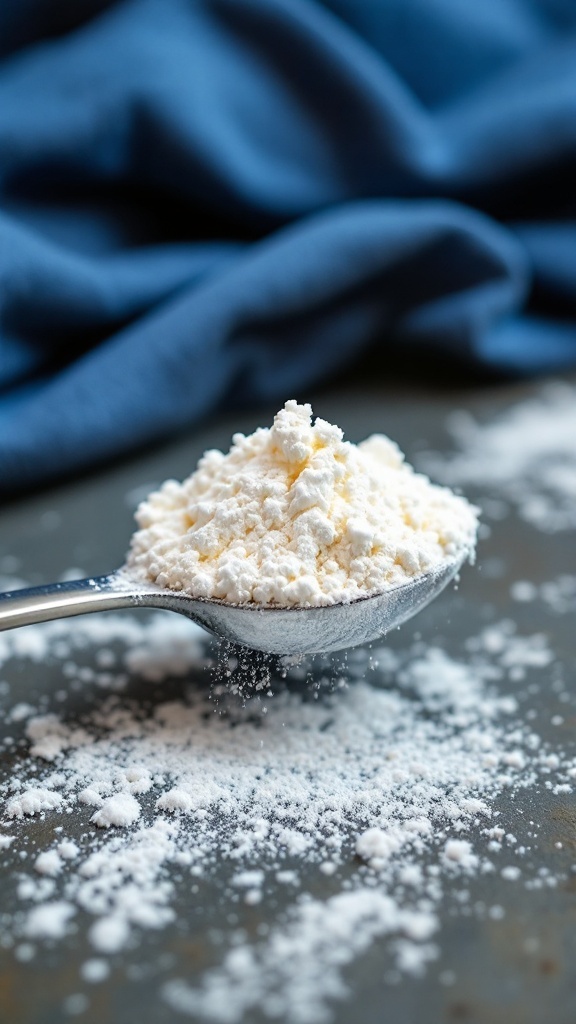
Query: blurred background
(211, 205)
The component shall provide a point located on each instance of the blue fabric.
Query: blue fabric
(219, 201)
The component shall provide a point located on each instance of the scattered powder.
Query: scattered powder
(110, 933)
(459, 852)
(32, 801)
(48, 863)
(49, 920)
(152, 653)
(295, 515)
(385, 789)
(511, 872)
(95, 970)
(558, 594)
(120, 809)
(528, 453)
(331, 933)
(523, 590)
(19, 712)
(67, 849)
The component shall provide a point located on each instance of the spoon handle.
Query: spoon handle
(59, 600)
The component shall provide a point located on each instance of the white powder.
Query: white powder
(295, 515)
(120, 809)
(49, 920)
(110, 934)
(48, 863)
(528, 453)
(67, 849)
(403, 767)
(32, 801)
(331, 933)
(20, 711)
(558, 594)
(511, 872)
(95, 970)
(459, 852)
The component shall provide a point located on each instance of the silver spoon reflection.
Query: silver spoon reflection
(270, 629)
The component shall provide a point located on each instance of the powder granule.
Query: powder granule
(294, 515)
(120, 809)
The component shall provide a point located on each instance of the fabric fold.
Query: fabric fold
(208, 201)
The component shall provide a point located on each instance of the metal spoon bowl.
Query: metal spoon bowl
(274, 630)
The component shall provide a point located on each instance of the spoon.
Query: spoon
(271, 629)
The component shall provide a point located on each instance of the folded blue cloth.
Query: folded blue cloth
(208, 201)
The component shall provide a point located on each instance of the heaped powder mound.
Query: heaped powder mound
(294, 515)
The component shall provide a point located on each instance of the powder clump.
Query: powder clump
(294, 515)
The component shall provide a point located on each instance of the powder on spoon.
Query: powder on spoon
(294, 515)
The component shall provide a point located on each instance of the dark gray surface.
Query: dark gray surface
(497, 977)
